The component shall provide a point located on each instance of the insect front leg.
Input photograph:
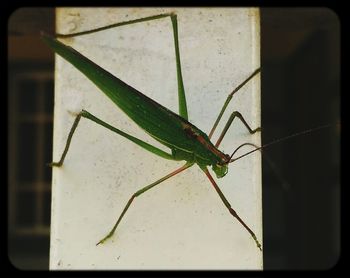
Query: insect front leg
(231, 210)
(229, 99)
(229, 122)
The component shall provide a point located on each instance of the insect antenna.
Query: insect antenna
(274, 142)
(284, 183)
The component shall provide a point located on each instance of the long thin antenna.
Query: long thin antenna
(278, 141)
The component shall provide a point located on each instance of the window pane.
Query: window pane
(27, 152)
(49, 98)
(48, 151)
(28, 90)
(47, 208)
(25, 209)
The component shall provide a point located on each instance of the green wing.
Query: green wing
(158, 121)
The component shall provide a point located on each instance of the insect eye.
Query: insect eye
(226, 160)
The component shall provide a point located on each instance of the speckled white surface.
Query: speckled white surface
(181, 223)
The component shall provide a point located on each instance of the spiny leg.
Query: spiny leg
(181, 90)
(138, 193)
(87, 115)
(228, 124)
(231, 210)
(229, 99)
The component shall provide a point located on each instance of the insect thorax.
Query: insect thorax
(182, 155)
(219, 169)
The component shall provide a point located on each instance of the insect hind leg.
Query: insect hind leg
(114, 25)
(183, 112)
(87, 115)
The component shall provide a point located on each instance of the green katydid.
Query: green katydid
(186, 141)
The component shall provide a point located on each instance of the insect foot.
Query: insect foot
(54, 164)
(104, 239)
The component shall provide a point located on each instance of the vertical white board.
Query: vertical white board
(181, 223)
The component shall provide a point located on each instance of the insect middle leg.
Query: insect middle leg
(138, 193)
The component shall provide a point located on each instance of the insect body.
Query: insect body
(186, 141)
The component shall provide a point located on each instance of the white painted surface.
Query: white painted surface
(181, 223)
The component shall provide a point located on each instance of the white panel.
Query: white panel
(181, 223)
